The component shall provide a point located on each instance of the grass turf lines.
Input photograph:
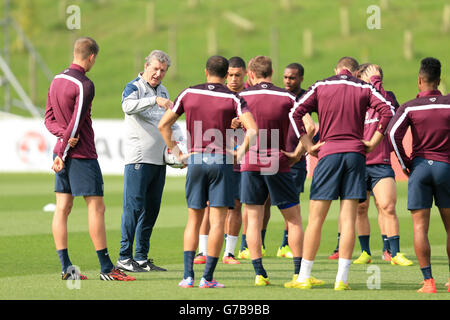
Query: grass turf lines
(31, 269)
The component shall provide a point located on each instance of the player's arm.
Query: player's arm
(165, 127)
(251, 133)
(386, 111)
(374, 76)
(50, 121)
(167, 124)
(397, 130)
(371, 144)
(306, 105)
(292, 142)
(310, 127)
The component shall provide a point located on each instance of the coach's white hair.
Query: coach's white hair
(159, 55)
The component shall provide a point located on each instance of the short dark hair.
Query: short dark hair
(84, 47)
(217, 66)
(236, 62)
(261, 66)
(430, 70)
(298, 67)
(348, 62)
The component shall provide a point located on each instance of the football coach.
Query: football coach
(144, 101)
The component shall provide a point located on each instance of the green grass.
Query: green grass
(120, 29)
(30, 266)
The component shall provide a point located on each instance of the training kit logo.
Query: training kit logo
(32, 148)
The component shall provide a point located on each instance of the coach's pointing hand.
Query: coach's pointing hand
(163, 102)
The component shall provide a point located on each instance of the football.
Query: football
(170, 159)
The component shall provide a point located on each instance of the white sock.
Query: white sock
(203, 244)
(343, 268)
(305, 270)
(230, 244)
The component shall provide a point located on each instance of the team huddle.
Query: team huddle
(246, 145)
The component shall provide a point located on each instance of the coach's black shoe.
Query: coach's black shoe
(149, 266)
(129, 265)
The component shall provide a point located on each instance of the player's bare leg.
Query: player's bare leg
(421, 222)
(217, 217)
(233, 224)
(445, 216)
(97, 230)
(386, 196)
(234, 219)
(363, 230)
(255, 215)
(192, 229)
(265, 223)
(349, 208)
(347, 219)
(243, 252)
(293, 220)
(64, 203)
(204, 227)
(362, 218)
(203, 238)
(318, 210)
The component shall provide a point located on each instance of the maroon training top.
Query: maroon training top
(341, 102)
(68, 113)
(429, 118)
(209, 109)
(382, 153)
(270, 106)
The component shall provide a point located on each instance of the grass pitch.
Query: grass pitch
(31, 269)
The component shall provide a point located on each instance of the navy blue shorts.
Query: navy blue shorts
(376, 172)
(209, 178)
(256, 187)
(339, 175)
(80, 177)
(428, 179)
(298, 171)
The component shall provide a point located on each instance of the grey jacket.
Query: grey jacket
(143, 142)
